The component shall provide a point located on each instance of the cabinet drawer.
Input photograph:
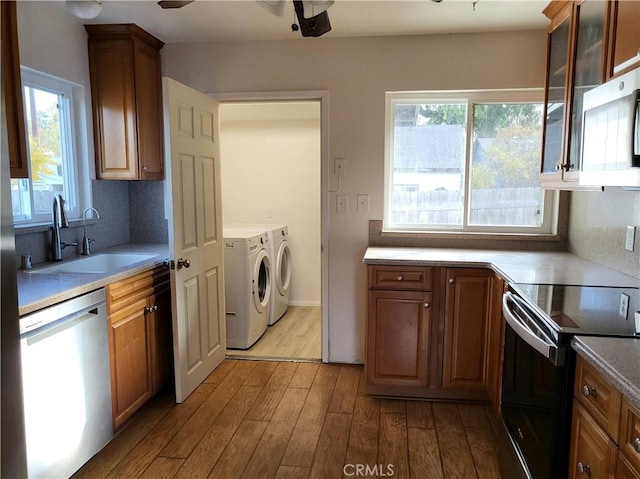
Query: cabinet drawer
(122, 293)
(630, 433)
(401, 277)
(599, 397)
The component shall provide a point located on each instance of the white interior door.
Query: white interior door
(195, 234)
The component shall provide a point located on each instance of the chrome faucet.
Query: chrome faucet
(59, 221)
(86, 242)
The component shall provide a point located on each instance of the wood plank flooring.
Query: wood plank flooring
(266, 419)
(295, 336)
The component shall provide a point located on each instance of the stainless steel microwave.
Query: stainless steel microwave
(611, 133)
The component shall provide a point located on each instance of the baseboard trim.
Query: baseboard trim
(305, 303)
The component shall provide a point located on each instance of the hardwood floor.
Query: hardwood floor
(266, 419)
(295, 336)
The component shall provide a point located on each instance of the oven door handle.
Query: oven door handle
(548, 349)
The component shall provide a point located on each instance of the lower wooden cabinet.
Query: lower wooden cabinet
(398, 338)
(625, 470)
(466, 326)
(593, 453)
(140, 340)
(605, 433)
(431, 332)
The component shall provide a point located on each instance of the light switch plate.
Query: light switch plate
(624, 306)
(342, 203)
(630, 238)
(363, 203)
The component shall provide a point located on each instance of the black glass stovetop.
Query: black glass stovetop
(586, 310)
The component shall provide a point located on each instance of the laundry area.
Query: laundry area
(271, 207)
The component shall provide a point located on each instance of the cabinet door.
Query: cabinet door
(131, 380)
(593, 454)
(148, 90)
(398, 326)
(465, 330)
(630, 433)
(12, 85)
(495, 341)
(114, 109)
(588, 72)
(624, 52)
(624, 470)
(159, 310)
(558, 61)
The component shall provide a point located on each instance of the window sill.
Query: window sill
(29, 228)
(457, 239)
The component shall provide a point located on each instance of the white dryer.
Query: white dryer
(247, 277)
(280, 253)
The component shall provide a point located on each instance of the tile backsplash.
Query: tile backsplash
(130, 211)
(597, 227)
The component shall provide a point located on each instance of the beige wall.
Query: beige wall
(356, 73)
(271, 174)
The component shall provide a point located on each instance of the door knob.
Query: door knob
(183, 263)
(584, 469)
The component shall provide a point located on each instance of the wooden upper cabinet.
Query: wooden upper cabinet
(12, 84)
(576, 63)
(126, 92)
(624, 41)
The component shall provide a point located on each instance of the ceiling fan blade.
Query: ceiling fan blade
(174, 3)
(273, 6)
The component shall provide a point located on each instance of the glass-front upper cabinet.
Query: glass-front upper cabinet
(575, 64)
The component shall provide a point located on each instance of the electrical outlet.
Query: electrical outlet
(630, 238)
(342, 203)
(363, 203)
(340, 166)
(624, 306)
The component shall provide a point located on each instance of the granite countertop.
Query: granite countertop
(617, 359)
(514, 266)
(37, 291)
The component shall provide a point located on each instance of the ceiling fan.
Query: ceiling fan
(312, 14)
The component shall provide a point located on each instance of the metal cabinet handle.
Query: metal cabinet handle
(584, 469)
(183, 263)
(144, 168)
(399, 277)
(427, 305)
(636, 444)
(151, 309)
(451, 280)
(589, 391)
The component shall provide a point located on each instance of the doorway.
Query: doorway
(271, 157)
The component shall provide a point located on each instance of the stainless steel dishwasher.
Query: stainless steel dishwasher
(66, 384)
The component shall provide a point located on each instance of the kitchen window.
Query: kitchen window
(51, 105)
(465, 161)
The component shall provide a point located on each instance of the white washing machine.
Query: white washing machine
(280, 253)
(247, 277)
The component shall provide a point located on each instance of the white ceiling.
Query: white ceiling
(245, 20)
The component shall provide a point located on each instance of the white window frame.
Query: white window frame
(75, 171)
(470, 97)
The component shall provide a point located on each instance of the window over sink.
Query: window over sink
(466, 161)
(53, 115)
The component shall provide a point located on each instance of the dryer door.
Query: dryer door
(283, 265)
(261, 281)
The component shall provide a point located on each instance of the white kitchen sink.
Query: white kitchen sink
(101, 263)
